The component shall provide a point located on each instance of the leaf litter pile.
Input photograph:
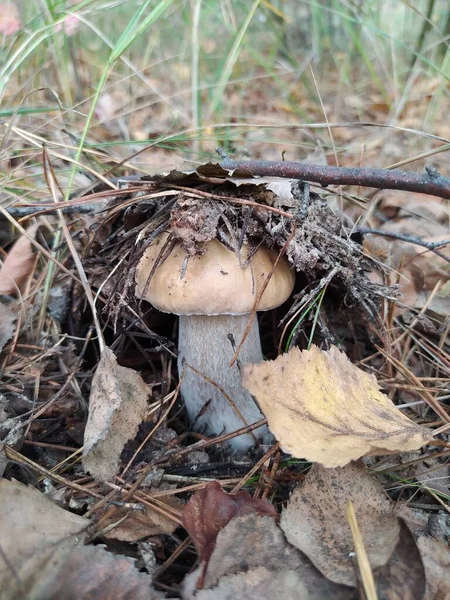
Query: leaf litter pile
(110, 488)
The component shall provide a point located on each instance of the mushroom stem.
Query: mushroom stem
(204, 343)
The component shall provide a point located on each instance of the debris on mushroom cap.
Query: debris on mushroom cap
(218, 282)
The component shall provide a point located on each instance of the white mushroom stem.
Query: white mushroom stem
(204, 343)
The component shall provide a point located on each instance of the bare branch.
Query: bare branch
(431, 182)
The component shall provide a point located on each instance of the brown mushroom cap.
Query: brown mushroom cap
(213, 283)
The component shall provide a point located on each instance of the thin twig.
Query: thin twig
(433, 246)
(431, 182)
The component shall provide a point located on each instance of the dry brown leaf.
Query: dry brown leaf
(93, 573)
(18, 264)
(140, 524)
(210, 509)
(31, 528)
(321, 407)
(252, 559)
(45, 558)
(7, 324)
(397, 204)
(117, 406)
(420, 269)
(314, 520)
(263, 584)
(436, 560)
(403, 578)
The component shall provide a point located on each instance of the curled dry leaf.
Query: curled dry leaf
(210, 509)
(18, 264)
(117, 406)
(314, 520)
(252, 559)
(321, 407)
(46, 558)
(436, 560)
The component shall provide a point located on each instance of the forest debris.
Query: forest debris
(208, 203)
(12, 431)
(416, 269)
(314, 520)
(404, 575)
(45, 557)
(432, 183)
(142, 522)
(323, 408)
(18, 264)
(252, 559)
(397, 205)
(433, 474)
(118, 405)
(93, 572)
(7, 324)
(436, 560)
(210, 509)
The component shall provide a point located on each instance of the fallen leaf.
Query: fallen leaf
(252, 559)
(210, 509)
(92, 573)
(18, 264)
(416, 269)
(117, 406)
(31, 529)
(397, 204)
(139, 524)
(403, 578)
(321, 407)
(314, 520)
(45, 558)
(436, 560)
(264, 584)
(7, 324)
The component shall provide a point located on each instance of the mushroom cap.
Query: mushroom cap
(212, 283)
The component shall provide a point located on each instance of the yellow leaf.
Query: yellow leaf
(323, 408)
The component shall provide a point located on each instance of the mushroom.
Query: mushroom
(214, 293)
